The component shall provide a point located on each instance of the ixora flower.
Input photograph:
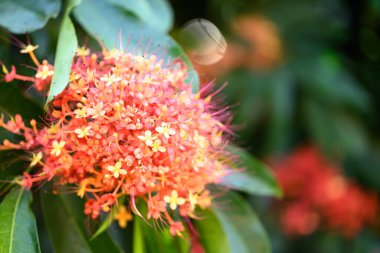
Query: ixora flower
(317, 194)
(127, 126)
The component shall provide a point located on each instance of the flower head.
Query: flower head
(148, 138)
(36, 159)
(57, 147)
(127, 125)
(116, 170)
(28, 49)
(83, 132)
(165, 130)
(44, 71)
(123, 216)
(173, 200)
(156, 146)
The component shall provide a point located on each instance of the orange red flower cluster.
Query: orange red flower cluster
(317, 194)
(130, 126)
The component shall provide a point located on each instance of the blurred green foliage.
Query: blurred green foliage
(324, 92)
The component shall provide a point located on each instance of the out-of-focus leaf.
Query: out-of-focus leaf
(66, 48)
(156, 237)
(243, 230)
(94, 18)
(252, 176)
(281, 108)
(366, 241)
(364, 168)
(252, 92)
(331, 84)
(104, 226)
(333, 130)
(22, 16)
(308, 25)
(64, 219)
(103, 242)
(159, 239)
(211, 233)
(107, 220)
(138, 237)
(63, 230)
(18, 231)
(155, 13)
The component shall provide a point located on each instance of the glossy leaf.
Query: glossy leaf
(22, 16)
(64, 219)
(138, 237)
(66, 48)
(156, 237)
(155, 13)
(18, 231)
(251, 176)
(243, 230)
(211, 233)
(94, 18)
(159, 239)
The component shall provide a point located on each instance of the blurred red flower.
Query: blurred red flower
(318, 195)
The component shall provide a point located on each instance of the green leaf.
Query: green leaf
(94, 18)
(103, 242)
(22, 16)
(64, 219)
(334, 130)
(252, 176)
(107, 220)
(105, 225)
(66, 48)
(159, 240)
(138, 237)
(243, 230)
(18, 231)
(155, 13)
(330, 83)
(156, 237)
(281, 110)
(211, 233)
(63, 230)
